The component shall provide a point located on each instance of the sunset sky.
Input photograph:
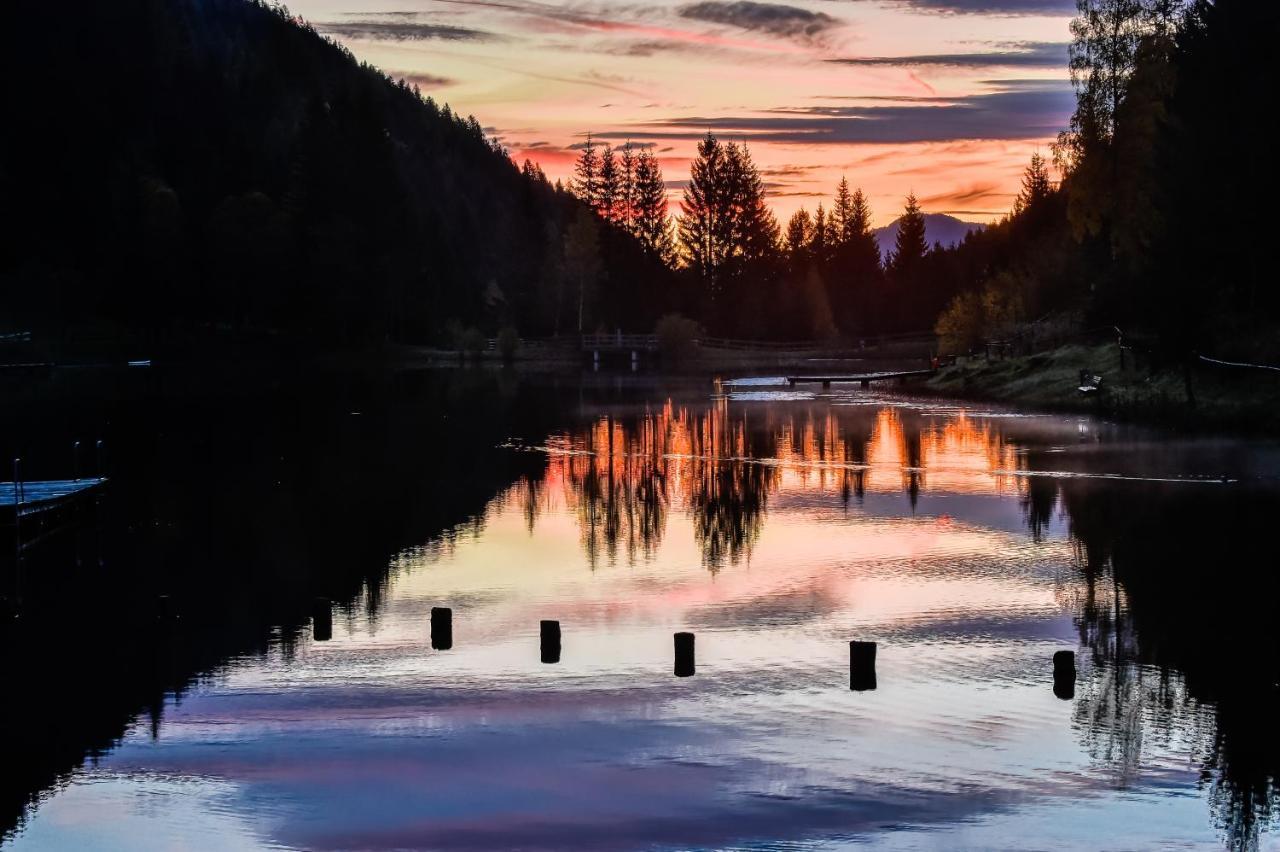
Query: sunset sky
(946, 98)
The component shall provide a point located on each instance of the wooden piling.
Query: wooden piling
(321, 620)
(166, 611)
(1064, 674)
(684, 655)
(550, 641)
(862, 666)
(441, 628)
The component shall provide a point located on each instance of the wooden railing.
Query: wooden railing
(609, 342)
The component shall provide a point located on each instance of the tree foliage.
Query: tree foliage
(230, 173)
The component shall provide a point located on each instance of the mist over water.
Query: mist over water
(969, 543)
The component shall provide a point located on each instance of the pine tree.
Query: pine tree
(701, 211)
(823, 241)
(725, 228)
(1036, 185)
(626, 201)
(585, 183)
(606, 200)
(799, 235)
(651, 221)
(860, 218)
(859, 288)
(752, 229)
(842, 213)
(582, 264)
(911, 244)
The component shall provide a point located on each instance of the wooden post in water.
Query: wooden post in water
(75, 450)
(862, 666)
(166, 611)
(322, 620)
(866, 383)
(17, 509)
(441, 628)
(684, 655)
(1064, 674)
(550, 641)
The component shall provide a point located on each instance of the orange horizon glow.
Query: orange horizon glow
(898, 96)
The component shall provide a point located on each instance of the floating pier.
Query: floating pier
(864, 379)
(22, 499)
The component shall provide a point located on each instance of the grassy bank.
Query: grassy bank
(1247, 399)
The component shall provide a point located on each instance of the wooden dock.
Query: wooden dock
(864, 379)
(23, 499)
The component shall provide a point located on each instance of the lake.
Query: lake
(777, 524)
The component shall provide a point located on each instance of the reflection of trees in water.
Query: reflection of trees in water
(619, 477)
(1175, 622)
(726, 488)
(1180, 628)
(1038, 500)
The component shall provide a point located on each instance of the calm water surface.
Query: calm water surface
(971, 543)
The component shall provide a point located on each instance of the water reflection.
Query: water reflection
(970, 544)
(719, 465)
(1177, 609)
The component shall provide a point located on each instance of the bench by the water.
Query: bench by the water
(865, 379)
(1090, 383)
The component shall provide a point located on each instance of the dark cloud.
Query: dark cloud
(423, 81)
(992, 7)
(400, 29)
(771, 18)
(1017, 109)
(1039, 54)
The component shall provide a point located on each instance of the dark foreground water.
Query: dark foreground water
(971, 543)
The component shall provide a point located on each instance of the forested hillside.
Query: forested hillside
(1158, 225)
(171, 168)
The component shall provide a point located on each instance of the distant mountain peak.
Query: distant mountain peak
(939, 228)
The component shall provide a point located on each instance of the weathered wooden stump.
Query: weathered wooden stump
(550, 641)
(1064, 674)
(441, 628)
(862, 666)
(684, 655)
(321, 620)
(166, 610)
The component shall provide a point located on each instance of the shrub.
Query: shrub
(677, 337)
(508, 343)
(473, 342)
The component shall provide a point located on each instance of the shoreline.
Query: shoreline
(1235, 401)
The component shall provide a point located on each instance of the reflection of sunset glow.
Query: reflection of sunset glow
(620, 479)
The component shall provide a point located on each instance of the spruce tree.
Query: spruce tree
(606, 200)
(750, 225)
(585, 183)
(701, 212)
(651, 221)
(726, 229)
(842, 213)
(1036, 185)
(911, 244)
(823, 241)
(799, 234)
(860, 218)
(626, 201)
